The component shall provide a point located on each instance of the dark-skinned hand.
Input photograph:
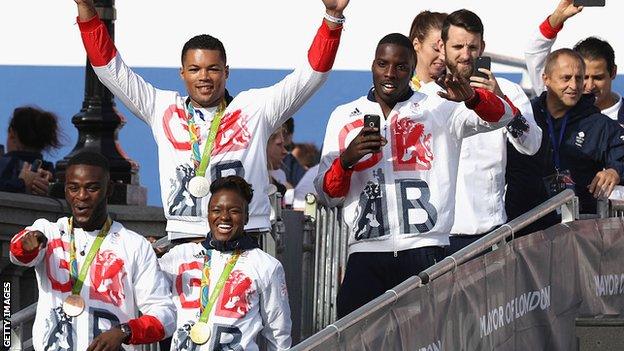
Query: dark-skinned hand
(110, 340)
(457, 88)
(368, 141)
(33, 240)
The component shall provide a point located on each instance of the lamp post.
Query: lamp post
(98, 124)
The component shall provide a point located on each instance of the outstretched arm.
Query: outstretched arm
(286, 97)
(135, 93)
(542, 41)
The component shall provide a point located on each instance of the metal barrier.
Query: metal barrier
(566, 201)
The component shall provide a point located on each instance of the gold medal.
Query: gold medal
(199, 186)
(73, 305)
(200, 333)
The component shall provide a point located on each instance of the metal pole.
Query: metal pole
(98, 124)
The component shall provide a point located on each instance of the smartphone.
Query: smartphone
(590, 3)
(34, 167)
(482, 62)
(372, 121)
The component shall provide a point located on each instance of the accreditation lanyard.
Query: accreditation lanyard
(556, 143)
(206, 306)
(200, 161)
(78, 279)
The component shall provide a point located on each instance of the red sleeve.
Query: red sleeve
(487, 105)
(337, 180)
(18, 250)
(324, 47)
(514, 109)
(146, 330)
(98, 44)
(548, 31)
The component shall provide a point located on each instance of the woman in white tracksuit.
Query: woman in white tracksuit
(226, 290)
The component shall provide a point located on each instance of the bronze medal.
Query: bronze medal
(73, 305)
(200, 333)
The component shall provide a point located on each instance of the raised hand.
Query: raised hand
(366, 142)
(335, 6)
(488, 83)
(458, 88)
(86, 9)
(33, 240)
(564, 10)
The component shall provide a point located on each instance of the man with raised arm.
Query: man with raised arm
(397, 182)
(209, 134)
(93, 275)
(599, 57)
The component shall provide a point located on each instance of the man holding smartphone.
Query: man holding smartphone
(390, 157)
(479, 199)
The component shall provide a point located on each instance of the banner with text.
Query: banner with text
(523, 296)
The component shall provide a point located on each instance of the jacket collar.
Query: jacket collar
(243, 243)
(583, 108)
(371, 95)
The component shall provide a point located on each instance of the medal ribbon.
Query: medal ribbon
(78, 279)
(201, 161)
(556, 143)
(205, 313)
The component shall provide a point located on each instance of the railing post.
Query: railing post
(308, 267)
(570, 210)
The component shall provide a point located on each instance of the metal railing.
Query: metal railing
(565, 201)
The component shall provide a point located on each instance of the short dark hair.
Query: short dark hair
(90, 158)
(204, 42)
(35, 128)
(464, 19)
(552, 58)
(400, 40)
(593, 48)
(424, 22)
(234, 183)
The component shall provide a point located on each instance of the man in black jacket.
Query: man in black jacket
(581, 148)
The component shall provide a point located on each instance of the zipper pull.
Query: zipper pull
(396, 254)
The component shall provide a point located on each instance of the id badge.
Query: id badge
(558, 182)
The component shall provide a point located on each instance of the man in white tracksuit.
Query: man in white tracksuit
(479, 197)
(395, 182)
(181, 124)
(116, 274)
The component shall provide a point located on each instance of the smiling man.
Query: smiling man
(599, 57)
(94, 276)
(209, 134)
(397, 183)
(581, 148)
(226, 289)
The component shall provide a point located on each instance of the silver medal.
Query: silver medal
(199, 186)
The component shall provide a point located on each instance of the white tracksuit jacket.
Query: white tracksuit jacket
(240, 146)
(403, 197)
(480, 193)
(124, 278)
(254, 299)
